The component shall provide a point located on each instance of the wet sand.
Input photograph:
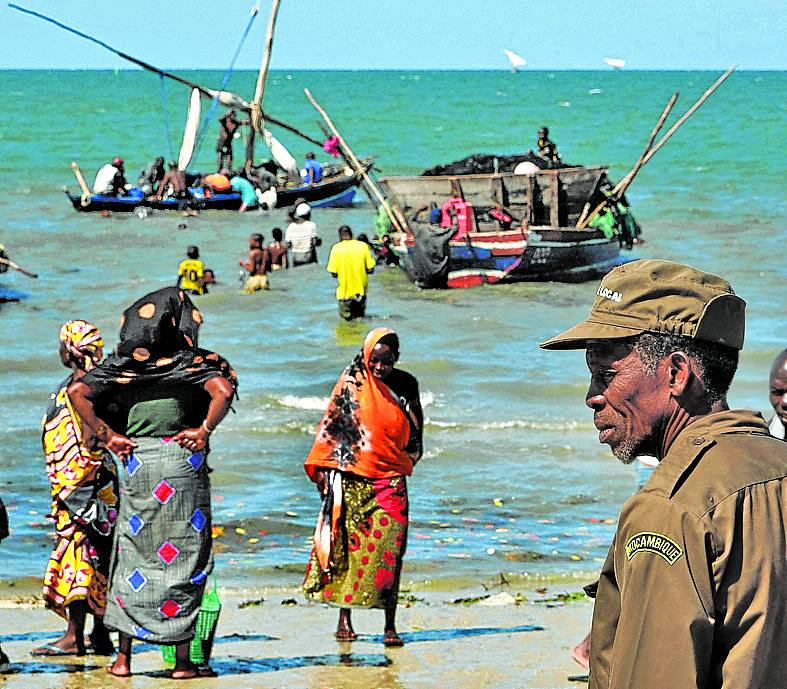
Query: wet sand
(273, 645)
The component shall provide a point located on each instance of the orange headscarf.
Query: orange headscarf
(364, 430)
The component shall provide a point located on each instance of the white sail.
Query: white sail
(615, 62)
(515, 60)
(282, 157)
(190, 130)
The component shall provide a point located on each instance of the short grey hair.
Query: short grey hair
(717, 362)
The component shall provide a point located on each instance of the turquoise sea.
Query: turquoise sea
(513, 479)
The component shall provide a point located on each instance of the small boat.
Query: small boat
(515, 60)
(334, 191)
(492, 227)
(615, 62)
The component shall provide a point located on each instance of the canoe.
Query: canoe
(337, 191)
(542, 242)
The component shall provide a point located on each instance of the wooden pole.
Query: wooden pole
(80, 178)
(370, 186)
(16, 266)
(257, 122)
(620, 188)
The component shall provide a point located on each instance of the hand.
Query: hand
(120, 445)
(321, 481)
(193, 439)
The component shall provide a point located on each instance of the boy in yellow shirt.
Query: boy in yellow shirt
(191, 271)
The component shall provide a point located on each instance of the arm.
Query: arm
(221, 393)
(285, 260)
(416, 414)
(249, 266)
(79, 394)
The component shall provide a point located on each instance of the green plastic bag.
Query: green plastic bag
(201, 645)
(382, 223)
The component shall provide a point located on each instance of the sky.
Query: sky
(414, 34)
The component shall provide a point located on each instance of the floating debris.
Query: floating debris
(252, 603)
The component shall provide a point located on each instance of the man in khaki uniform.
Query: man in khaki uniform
(694, 590)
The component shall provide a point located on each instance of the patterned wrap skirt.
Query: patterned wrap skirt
(368, 553)
(163, 550)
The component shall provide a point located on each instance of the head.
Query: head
(277, 235)
(81, 346)
(345, 232)
(173, 164)
(543, 133)
(386, 239)
(208, 277)
(381, 352)
(310, 156)
(778, 386)
(647, 382)
(363, 238)
(192, 252)
(118, 163)
(225, 171)
(301, 211)
(256, 240)
(159, 162)
(231, 113)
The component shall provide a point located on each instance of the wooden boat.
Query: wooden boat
(540, 243)
(334, 191)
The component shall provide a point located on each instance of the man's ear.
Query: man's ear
(679, 371)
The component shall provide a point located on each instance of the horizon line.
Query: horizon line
(396, 69)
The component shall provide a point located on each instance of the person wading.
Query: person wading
(692, 593)
(351, 262)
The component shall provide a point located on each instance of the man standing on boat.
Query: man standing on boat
(692, 591)
(228, 125)
(350, 262)
(546, 147)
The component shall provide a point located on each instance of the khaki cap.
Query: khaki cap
(659, 297)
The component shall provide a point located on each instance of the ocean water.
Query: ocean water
(513, 479)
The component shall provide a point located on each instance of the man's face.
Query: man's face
(778, 391)
(628, 402)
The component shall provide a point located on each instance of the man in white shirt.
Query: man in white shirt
(301, 236)
(110, 179)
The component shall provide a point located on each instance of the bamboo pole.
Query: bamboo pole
(620, 188)
(80, 178)
(257, 121)
(15, 266)
(351, 158)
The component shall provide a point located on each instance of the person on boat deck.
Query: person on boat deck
(173, 183)
(151, 176)
(546, 147)
(228, 125)
(277, 250)
(301, 235)
(312, 169)
(191, 272)
(386, 253)
(258, 265)
(247, 193)
(111, 179)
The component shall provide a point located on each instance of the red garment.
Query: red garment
(456, 206)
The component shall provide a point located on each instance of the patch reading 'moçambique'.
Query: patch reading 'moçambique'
(652, 542)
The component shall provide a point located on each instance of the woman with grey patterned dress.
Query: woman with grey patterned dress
(154, 403)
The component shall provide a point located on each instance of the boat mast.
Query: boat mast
(257, 118)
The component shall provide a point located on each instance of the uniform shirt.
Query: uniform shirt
(350, 260)
(190, 272)
(301, 236)
(692, 593)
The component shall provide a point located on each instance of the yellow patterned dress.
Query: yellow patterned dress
(84, 508)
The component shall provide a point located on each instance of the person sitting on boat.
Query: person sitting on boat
(151, 176)
(312, 169)
(111, 179)
(173, 184)
(247, 193)
(546, 147)
(228, 125)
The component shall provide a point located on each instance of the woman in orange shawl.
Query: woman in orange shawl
(366, 444)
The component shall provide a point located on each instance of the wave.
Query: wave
(314, 403)
(556, 425)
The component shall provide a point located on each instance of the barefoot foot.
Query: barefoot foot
(392, 639)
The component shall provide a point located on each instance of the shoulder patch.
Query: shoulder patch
(652, 542)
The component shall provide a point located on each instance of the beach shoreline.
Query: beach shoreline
(272, 637)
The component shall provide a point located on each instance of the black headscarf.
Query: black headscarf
(158, 345)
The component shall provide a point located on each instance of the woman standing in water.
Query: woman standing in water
(160, 397)
(84, 505)
(366, 445)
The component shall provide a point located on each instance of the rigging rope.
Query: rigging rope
(165, 113)
(225, 80)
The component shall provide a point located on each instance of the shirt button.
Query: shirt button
(699, 441)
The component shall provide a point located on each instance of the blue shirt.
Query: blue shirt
(313, 170)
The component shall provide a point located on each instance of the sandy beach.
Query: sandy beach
(271, 644)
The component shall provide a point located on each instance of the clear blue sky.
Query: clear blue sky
(419, 34)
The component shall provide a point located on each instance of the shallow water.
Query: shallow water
(513, 478)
